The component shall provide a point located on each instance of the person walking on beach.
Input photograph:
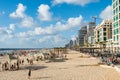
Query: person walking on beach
(29, 73)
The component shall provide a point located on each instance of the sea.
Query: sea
(8, 50)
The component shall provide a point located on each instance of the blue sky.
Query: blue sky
(47, 23)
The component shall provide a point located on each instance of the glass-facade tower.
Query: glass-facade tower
(116, 22)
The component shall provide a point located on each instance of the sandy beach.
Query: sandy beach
(75, 68)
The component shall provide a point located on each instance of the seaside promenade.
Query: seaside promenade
(77, 67)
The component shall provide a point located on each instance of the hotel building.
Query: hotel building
(102, 33)
(116, 23)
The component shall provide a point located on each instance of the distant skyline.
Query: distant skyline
(47, 23)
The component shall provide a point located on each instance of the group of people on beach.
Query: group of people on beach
(15, 65)
(47, 57)
(11, 66)
(113, 60)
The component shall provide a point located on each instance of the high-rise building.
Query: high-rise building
(90, 32)
(71, 44)
(90, 26)
(81, 34)
(103, 32)
(116, 23)
(89, 36)
(77, 41)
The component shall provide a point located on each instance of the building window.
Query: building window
(113, 6)
(114, 38)
(104, 33)
(116, 24)
(116, 31)
(116, 43)
(104, 38)
(114, 12)
(116, 3)
(104, 29)
(116, 17)
(117, 38)
(117, 10)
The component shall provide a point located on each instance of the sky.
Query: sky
(47, 23)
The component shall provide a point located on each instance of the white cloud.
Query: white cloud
(39, 30)
(43, 13)
(71, 23)
(3, 31)
(106, 13)
(12, 26)
(55, 41)
(44, 31)
(59, 39)
(75, 21)
(22, 35)
(76, 2)
(6, 33)
(49, 36)
(19, 13)
(27, 22)
(44, 39)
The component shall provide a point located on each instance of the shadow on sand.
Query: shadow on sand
(33, 67)
(62, 68)
(56, 60)
(87, 65)
(42, 77)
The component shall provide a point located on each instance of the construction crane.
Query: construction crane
(94, 17)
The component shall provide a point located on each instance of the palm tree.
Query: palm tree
(96, 43)
(76, 47)
(112, 46)
(101, 45)
(87, 43)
